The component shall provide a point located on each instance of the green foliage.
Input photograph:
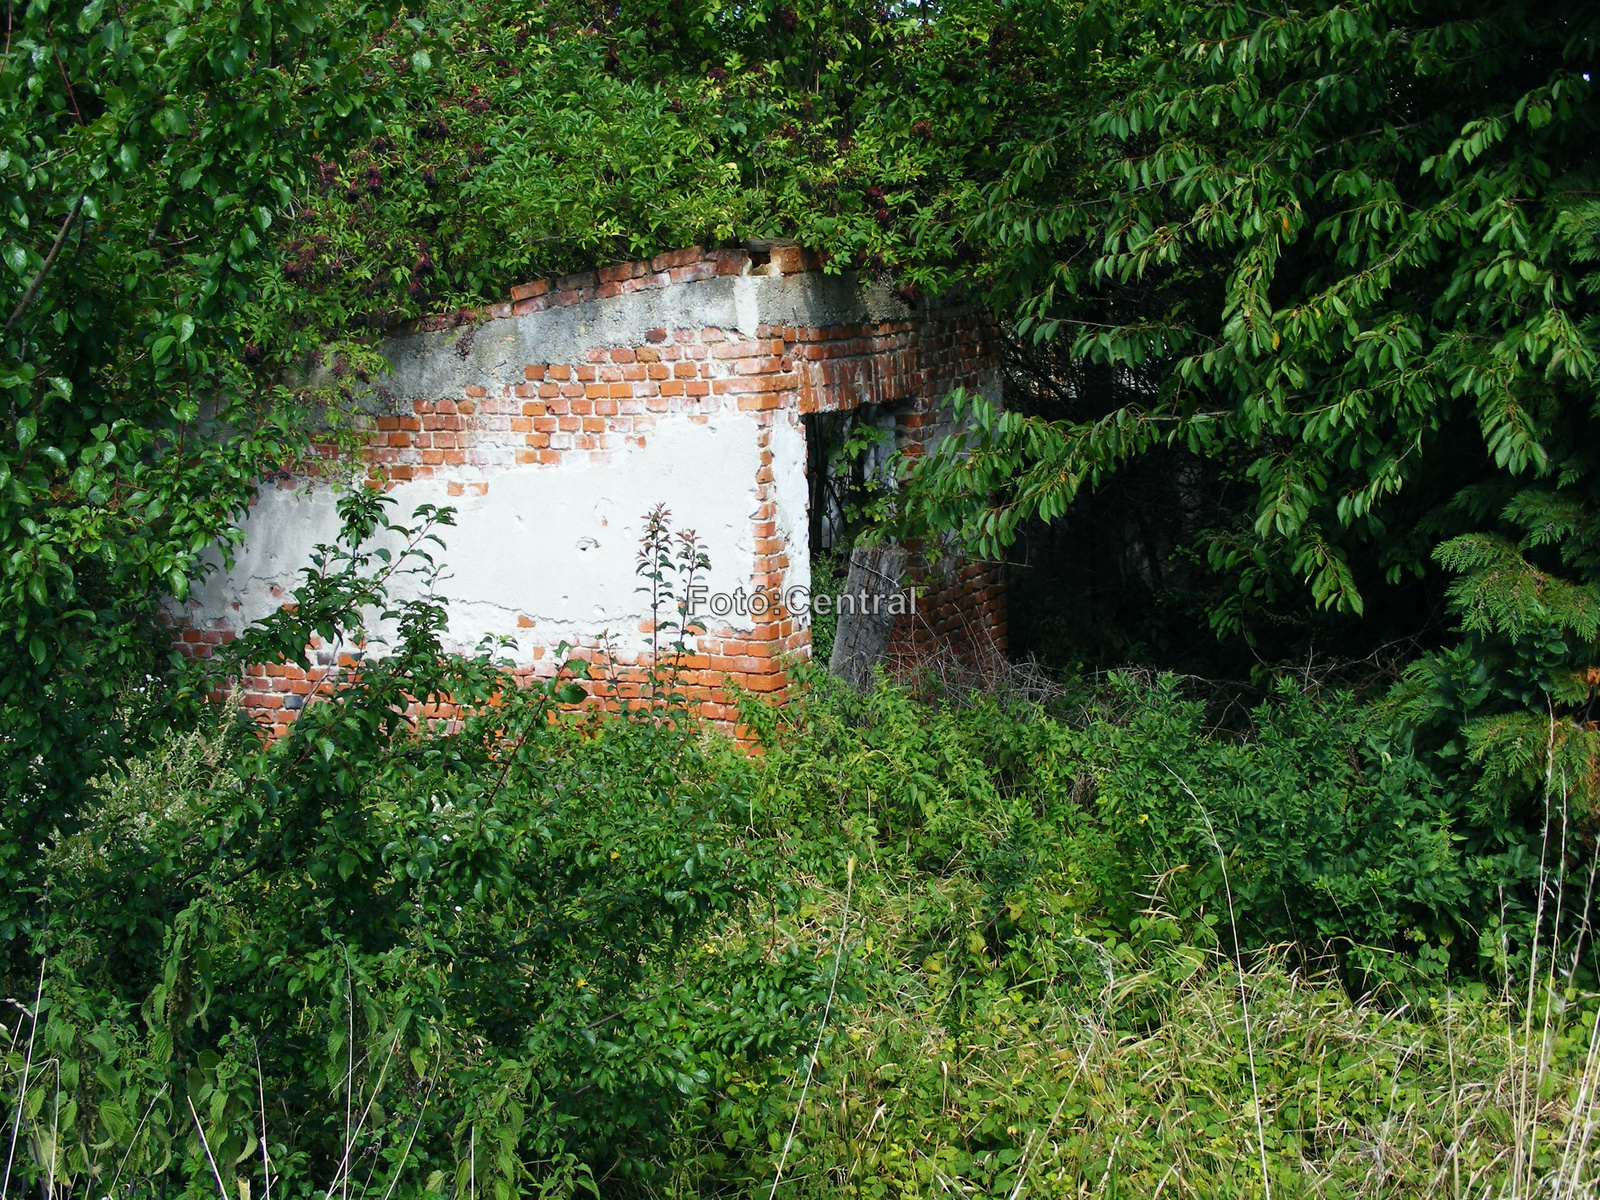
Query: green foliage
(501, 951)
(1332, 234)
(668, 565)
(827, 579)
(1147, 1089)
(144, 151)
(1049, 997)
(1321, 832)
(873, 132)
(543, 137)
(527, 951)
(1336, 255)
(1515, 701)
(519, 148)
(539, 138)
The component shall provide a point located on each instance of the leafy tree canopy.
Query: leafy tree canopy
(146, 151)
(1340, 253)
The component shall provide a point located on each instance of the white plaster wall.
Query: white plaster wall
(555, 544)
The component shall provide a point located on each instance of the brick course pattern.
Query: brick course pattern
(545, 415)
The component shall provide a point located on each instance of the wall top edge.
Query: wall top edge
(748, 290)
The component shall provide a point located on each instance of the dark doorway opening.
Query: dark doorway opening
(849, 473)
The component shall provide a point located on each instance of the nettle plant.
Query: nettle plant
(669, 563)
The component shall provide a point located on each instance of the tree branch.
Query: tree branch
(33, 288)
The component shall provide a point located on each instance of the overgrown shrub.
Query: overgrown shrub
(537, 947)
(494, 953)
(1321, 831)
(1090, 949)
(531, 953)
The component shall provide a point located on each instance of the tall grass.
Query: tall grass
(1145, 1091)
(1003, 1044)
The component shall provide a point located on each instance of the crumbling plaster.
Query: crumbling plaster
(544, 544)
(426, 366)
(542, 555)
(554, 547)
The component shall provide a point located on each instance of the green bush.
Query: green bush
(530, 952)
(1316, 827)
(1093, 951)
(500, 952)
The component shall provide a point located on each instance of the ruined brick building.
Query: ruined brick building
(553, 422)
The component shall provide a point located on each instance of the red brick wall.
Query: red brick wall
(549, 414)
(960, 618)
